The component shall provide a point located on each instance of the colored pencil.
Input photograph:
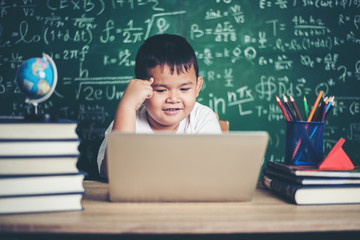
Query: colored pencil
(296, 108)
(308, 120)
(324, 111)
(329, 108)
(319, 111)
(282, 108)
(330, 103)
(306, 109)
(288, 107)
(315, 106)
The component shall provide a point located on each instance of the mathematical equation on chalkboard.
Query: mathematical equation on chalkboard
(248, 53)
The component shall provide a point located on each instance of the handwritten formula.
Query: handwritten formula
(248, 51)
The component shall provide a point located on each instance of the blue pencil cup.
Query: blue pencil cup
(304, 143)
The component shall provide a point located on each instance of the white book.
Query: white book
(40, 184)
(11, 128)
(41, 203)
(39, 147)
(312, 195)
(38, 164)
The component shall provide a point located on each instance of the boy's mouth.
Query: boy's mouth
(171, 109)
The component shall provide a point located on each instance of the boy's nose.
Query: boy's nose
(172, 97)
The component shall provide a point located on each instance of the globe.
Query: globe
(37, 78)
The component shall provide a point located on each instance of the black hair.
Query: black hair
(165, 49)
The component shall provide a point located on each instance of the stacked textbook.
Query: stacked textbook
(309, 185)
(38, 170)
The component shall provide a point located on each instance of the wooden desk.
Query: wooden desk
(264, 215)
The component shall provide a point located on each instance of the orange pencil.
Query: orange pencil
(315, 106)
(282, 109)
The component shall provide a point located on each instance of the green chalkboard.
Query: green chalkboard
(249, 51)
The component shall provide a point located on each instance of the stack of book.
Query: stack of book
(309, 185)
(38, 171)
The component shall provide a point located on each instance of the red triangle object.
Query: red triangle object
(337, 159)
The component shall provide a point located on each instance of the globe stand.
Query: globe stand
(34, 115)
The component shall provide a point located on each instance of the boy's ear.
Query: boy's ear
(199, 84)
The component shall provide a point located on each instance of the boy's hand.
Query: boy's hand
(136, 92)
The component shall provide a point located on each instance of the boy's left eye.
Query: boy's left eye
(159, 90)
(185, 89)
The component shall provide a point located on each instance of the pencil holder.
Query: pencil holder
(304, 143)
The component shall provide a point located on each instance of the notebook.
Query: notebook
(173, 167)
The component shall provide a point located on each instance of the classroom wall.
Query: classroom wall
(249, 51)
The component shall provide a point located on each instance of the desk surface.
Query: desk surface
(264, 214)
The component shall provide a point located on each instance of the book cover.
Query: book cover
(17, 165)
(313, 195)
(313, 171)
(21, 185)
(41, 203)
(15, 128)
(44, 147)
(309, 180)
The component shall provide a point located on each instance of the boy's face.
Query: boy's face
(173, 97)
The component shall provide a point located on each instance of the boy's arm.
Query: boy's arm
(136, 92)
(101, 154)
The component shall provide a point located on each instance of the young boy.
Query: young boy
(168, 84)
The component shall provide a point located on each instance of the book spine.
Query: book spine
(281, 188)
(283, 176)
(278, 167)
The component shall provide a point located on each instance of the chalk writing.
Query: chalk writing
(248, 53)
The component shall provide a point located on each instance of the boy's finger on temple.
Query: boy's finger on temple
(149, 95)
(151, 80)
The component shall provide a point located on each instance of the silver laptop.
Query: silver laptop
(173, 167)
